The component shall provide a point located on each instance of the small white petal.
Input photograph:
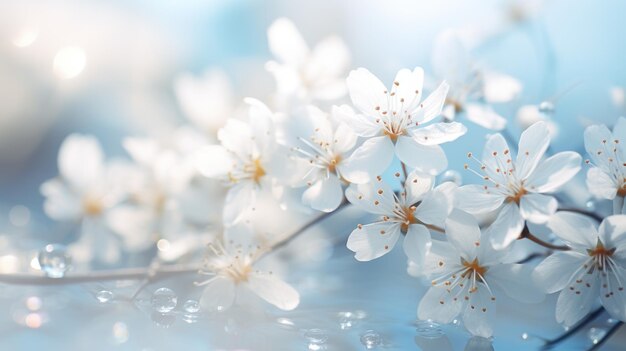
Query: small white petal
(81, 160)
(218, 294)
(613, 296)
(362, 125)
(432, 106)
(417, 243)
(374, 197)
(374, 240)
(573, 304)
(507, 227)
(555, 171)
(239, 198)
(286, 43)
(553, 273)
(475, 199)
(325, 195)
(430, 307)
(417, 185)
(480, 313)
(273, 290)
(408, 88)
(516, 281)
(438, 133)
(612, 233)
(601, 184)
(368, 160)
(429, 159)
(537, 208)
(462, 232)
(484, 116)
(499, 88)
(533, 144)
(574, 228)
(434, 209)
(212, 161)
(366, 91)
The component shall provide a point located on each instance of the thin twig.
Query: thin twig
(590, 317)
(406, 173)
(526, 234)
(607, 336)
(583, 212)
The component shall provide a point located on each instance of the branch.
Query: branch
(583, 212)
(526, 234)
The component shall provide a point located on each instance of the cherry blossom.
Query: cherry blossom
(412, 213)
(517, 190)
(392, 120)
(594, 267)
(466, 275)
(607, 178)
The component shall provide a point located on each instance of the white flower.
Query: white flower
(528, 115)
(207, 101)
(516, 188)
(231, 267)
(304, 74)
(596, 266)
(322, 145)
(417, 208)
(607, 151)
(86, 191)
(392, 120)
(472, 89)
(248, 160)
(465, 273)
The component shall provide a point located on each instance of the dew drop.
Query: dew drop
(316, 338)
(191, 306)
(596, 334)
(285, 323)
(428, 329)
(371, 339)
(590, 205)
(611, 320)
(452, 176)
(346, 320)
(54, 260)
(104, 296)
(524, 336)
(164, 300)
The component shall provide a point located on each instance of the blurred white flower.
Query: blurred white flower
(595, 266)
(207, 101)
(392, 121)
(417, 208)
(303, 74)
(465, 274)
(472, 89)
(86, 191)
(230, 263)
(607, 179)
(248, 160)
(528, 115)
(516, 189)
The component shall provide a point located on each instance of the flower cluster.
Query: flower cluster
(332, 137)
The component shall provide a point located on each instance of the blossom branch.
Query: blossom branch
(583, 212)
(526, 234)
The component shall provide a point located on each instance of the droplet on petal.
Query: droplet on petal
(371, 339)
(164, 300)
(54, 260)
(104, 296)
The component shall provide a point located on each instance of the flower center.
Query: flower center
(600, 254)
(517, 196)
(238, 272)
(621, 191)
(332, 165)
(458, 108)
(393, 135)
(474, 268)
(409, 215)
(92, 206)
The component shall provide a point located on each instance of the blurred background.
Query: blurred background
(108, 68)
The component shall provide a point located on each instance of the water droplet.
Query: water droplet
(428, 329)
(611, 321)
(286, 323)
(590, 205)
(452, 176)
(104, 296)
(191, 306)
(316, 338)
(524, 336)
(371, 339)
(346, 320)
(596, 334)
(54, 260)
(164, 300)
(457, 322)
(546, 107)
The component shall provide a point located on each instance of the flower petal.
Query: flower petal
(366, 91)
(372, 241)
(600, 184)
(407, 88)
(463, 232)
(374, 197)
(537, 208)
(438, 133)
(417, 185)
(362, 125)
(612, 233)
(429, 159)
(417, 243)
(553, 273)
(484, 116)
(432, 106)
(574, 228)
(507, 227)
(475, 199)
(212, 161)
(555, 171)
(499, 88)
(219, 294)
(573, 304)
(480, 313)
(532, 146)
(286, 43)
(431, 306)
(61, 203)
(516, 281)
(325, 195)
(273, 290)
(239, 199)
(80, 160)
(368, 160)
(434, 208)
(612, 293)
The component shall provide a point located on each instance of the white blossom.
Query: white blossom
(473, 90)
(466, 274)
(516, 187)
(410, 213)
(392, 120)
(304, 74)
(594, 267)
(230, 263)
(607, 178)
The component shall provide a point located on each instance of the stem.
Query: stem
(608, 335)
(590, 317)
(406, 173)
(583, 212)
(526, 234)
